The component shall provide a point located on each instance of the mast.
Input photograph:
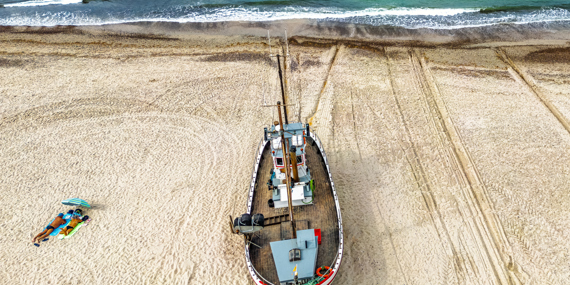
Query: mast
(293, 156)
(284, 146)
(282, 89)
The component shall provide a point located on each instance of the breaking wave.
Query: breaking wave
(32, 13)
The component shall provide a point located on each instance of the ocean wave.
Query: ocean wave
(435, 18)
(522, 8)
(42, 3)
(243, 14)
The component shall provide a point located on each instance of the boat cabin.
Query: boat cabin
(296, 258)
(301, 187)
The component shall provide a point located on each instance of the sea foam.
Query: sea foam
(412, 18)
(42, 3)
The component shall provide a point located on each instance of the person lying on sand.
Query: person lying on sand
(54, 225)
(76, 219)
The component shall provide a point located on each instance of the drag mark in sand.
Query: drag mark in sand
(333, 60)
(524, 77)
(354, 126)
(490, 233)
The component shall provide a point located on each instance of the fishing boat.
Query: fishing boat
(292, 228)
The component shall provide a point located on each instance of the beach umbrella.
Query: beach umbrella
(75, 202)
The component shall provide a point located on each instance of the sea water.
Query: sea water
(437, 14)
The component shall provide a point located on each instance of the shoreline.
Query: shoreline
(313, 30)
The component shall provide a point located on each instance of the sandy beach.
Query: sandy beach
(450, 150)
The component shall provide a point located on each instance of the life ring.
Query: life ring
(323, 268)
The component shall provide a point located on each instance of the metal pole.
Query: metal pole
(282, 89)
(293, 156)
(269, 43)
(287, 176)
(286, 43)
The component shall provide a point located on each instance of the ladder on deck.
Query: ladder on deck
(275, 220)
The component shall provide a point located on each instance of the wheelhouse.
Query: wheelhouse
(294, 136)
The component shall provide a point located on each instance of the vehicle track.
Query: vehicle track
(417, 169)
(528, 80)
(439, 223)
(490, 231)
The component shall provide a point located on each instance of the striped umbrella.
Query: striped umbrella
(75, 202)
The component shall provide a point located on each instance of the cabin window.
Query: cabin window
(299, 159)
(297, 140)
(294, 255)
(279, 161)
(276, 143)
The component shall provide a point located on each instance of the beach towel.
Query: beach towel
(67, 218)
(61, 236)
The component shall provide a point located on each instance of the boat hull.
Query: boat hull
(333, 199)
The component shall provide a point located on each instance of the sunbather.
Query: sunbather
(73, 223)
(54, 225)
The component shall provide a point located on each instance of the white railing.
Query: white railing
(259, 152)
(338, 259)
(260, 147)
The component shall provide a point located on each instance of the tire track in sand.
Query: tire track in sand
(405, 142)
(422, 181)
(490, 232)
(518, 235)
(409, 149)
(529, 82)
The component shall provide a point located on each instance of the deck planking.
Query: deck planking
(321, 215)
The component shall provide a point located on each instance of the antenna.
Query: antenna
(270, 55)
(269, 43)
(287, 43)
(282, 90)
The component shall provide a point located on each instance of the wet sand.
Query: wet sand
(450, 151)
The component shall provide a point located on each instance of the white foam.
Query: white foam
(242, 14)
(42, 3)
(413, 12)
(411, 18)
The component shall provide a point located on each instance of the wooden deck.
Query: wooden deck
(321, 215)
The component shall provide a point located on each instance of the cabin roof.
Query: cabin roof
(307, 242)
(290, 129)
